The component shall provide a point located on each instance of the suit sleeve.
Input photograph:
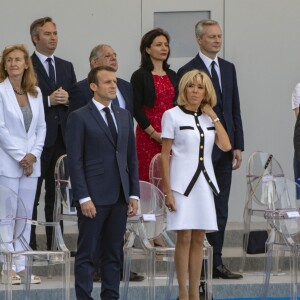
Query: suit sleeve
(236, 115)
(40, 129)
(132, 163)
(75, 153)
(76, 98)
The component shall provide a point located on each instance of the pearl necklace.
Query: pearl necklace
(20, 92)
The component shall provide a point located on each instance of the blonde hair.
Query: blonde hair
(201, 78)
(29, 81)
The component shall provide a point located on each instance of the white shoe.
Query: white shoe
(15, 279)
(34, 279)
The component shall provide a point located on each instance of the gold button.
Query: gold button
(204, 171)
(201, 158)
(201, 147)
(195, 114)
(198, 124)
(202, 134)
(209, 181)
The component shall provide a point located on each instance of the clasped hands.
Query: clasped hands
(88, 208)
(60, 96)
(27, 163)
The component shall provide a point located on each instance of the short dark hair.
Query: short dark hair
(37, 24)
(92, 76)
(146, 42)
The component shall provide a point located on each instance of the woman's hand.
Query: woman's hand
(28, 171)
(170, 202)
(207, 109)
(27, 163)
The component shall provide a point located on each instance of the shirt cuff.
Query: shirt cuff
(134, 197)
(49, 103)
(83, 200)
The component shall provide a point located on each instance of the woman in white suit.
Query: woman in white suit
(22, 135)
(190, 131)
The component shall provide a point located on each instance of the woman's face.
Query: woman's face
(159, 49)
(15, 64)
(195, 93)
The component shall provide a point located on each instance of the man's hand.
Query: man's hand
(27, 161)
(88, 209)
(60, 96)
(237, 159)
(132, 207)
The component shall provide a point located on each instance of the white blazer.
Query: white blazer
(15, 142)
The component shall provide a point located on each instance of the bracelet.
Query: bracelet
(152, 133)
(215, 120)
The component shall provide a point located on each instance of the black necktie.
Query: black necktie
(116, 101)
(215, 79)
(111, 124)
(51, 73)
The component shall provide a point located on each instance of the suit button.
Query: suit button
(201, 147)
(55, 117)
(202, 134)
(201, 158)
(117, 152)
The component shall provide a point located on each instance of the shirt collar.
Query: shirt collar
(43, 57)
(207, 60)
(100, 106)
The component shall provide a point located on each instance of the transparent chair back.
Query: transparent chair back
(262, 170)
(140, 232)
(63, 209)
(16, 253)
(284, 237)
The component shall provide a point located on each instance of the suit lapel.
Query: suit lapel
(39, 68)
(14, 103)
(224, 74)
(116, 110)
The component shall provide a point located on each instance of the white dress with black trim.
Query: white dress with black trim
(192, 177)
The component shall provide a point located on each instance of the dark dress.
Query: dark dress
(147, 147)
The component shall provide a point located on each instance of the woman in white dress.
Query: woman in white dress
(189, 132)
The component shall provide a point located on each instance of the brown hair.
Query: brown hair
(92, 76)
(29, 81)
(37, 24)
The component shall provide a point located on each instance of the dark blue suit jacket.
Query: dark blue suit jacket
(81, 94)
(98, 167)
(227, 108)
(65, 78)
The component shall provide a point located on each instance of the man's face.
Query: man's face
(211, 42)
(46, 40)
(108, 58)
(105, 89)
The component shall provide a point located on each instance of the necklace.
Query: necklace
(19, 92)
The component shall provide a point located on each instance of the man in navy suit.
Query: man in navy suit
(80, 94)
(104, 176)
(223, 75)
(55, 77)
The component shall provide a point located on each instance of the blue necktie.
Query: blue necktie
(111, 124)
(51, 73)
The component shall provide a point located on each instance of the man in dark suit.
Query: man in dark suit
(55, 77)
(80, 93)
(104, 176)
(223, 75)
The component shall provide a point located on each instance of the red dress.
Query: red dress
(147, 147)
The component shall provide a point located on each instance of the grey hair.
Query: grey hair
(199, 27)
(96, 52)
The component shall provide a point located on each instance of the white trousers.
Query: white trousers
(25, 188)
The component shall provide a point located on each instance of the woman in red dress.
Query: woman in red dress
(154, 92)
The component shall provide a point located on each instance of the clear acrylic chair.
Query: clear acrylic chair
(262, 170)
(140, 232)
(14, 250)
(155, 177)
(63, 209)
(285, 235)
